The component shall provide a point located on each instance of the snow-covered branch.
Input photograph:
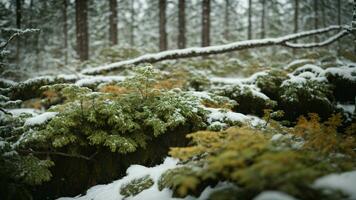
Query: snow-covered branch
(319, 44)
(236, 46)
(17, 34)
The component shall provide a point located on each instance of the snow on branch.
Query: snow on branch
(18, 33)
(319, 44)
(236, 46)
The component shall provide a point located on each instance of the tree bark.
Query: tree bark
(205, 33)
(323, 17)
(132, 27)
(263, 30)
(353, 25)
(296, 20)
(81, 17)
(65, 31)
(316, 18)
(181, 25)
(18, 25)
(227, 20)
(113, 22)
(162, 25)
(249, 20)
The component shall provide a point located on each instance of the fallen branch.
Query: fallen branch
(236, 46)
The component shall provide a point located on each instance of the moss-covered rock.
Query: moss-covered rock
(249, 99)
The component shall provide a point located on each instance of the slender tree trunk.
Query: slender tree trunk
(316, 18)
(338, 22)
(353, 25)
(181, 25)
(113, 22)
(205, 34)
(227, 20)
(323, 16)
(263, 30)
(249, 20)
(81, 17)
(339, 12)
(296, 20)
(65, 31)
(132, 27)
(18, 25)
(162, 25)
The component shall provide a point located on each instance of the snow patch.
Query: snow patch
(344, 182)
(40, 119)
(274, 195)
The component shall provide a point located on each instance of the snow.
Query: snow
(220, 115)
(17, 112)
(239, 80)
(111, 191)
(309, 67)
(344, 182)
(274, 195)
(276, 137)
(98, 79)
(350, 108)
(8, 82)
(346, 72)
(40, 119)
(298, 62)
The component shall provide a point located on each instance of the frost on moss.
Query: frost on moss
(136, 186)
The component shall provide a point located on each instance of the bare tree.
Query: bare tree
(81, 17)
(296, 20)
(249, 20)
(181, 25)
(205, 33)
(132, 27)
(65, 31)
(316, 18)
(227, 20)
(113, 22)
(263, 30)
(353, 25)
(162, 25)
(18, 25)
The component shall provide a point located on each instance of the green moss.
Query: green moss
(136, 186)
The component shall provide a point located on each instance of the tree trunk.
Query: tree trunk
(316, 18)
(339, 12)
(249, 20)
(296, 20)
(81, 15)
(263, 30)
(65, 31)
(113, 22)
(323, 17)
(162, 25)
(205, 33)
(181, 25)
(18, 25)
(353, 25)
(227, 20)
(132, 27)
